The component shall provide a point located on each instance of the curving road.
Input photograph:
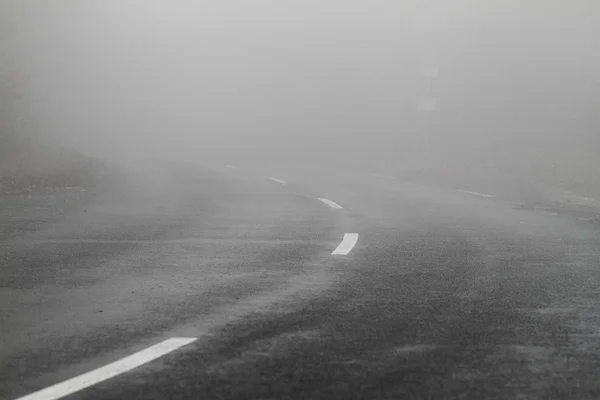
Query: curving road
(280, 282)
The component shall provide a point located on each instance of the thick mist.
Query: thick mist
(313, 81)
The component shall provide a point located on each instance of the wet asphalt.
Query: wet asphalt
(446, 295)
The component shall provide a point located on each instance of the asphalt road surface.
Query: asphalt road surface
(220, 283)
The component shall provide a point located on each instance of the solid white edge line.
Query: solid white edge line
(347, 244)
(278, 180)
(330, 203)
(123, 365)
(476, 193)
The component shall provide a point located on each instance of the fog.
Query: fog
(518, 82)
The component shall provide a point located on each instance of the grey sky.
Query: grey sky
(187, 76)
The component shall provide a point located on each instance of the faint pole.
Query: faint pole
(428, 71)
(427, 67)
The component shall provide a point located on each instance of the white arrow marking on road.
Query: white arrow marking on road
(108, 371)
(330, 203)
(347, 244)
(278, 180)
(476, 193)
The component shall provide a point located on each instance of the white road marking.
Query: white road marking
(347, 244)
(108, 371)
(476, 193)
(278, 180)
(330, 203)
(231, 166)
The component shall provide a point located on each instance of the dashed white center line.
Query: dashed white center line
(477, 193)
(278, 180)
(347, 244)
(108, 371)
(330, 203)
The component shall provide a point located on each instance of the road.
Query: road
(441, 294)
